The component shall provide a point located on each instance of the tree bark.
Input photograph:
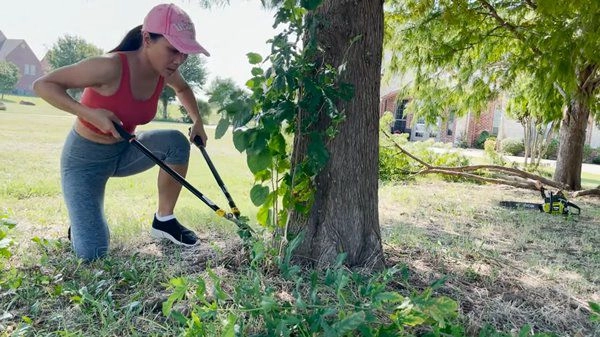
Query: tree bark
(572, 133)
(344, 217)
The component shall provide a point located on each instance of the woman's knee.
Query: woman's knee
(179, 147)
(90, 253)
(90, 242)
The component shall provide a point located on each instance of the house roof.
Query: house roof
(8, 46)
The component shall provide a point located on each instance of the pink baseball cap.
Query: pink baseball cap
(176, 26)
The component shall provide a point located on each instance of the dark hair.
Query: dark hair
(133, 40)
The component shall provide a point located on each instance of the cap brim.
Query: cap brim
(187, 46)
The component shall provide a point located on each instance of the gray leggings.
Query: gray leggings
(85, 168)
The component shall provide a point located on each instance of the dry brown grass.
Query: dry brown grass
(506, 268)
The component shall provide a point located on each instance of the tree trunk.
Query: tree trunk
(526, 139)
(572, 132)
(344, 217)
(571, 141)
(164, 104)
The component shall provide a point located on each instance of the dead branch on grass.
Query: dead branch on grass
(592, 192)
(510, 176)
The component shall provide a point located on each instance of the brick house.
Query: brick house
(18, 52)
(465, 128)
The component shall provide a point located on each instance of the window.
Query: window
(32, 70)
(497, 119)
(26, 70)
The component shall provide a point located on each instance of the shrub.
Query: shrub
(396, 166)
(552, 151)
(490, 150)
(490, 144)
(512, 146)
(393, 166)
(480, 141)
(596, 160)
(588, 153)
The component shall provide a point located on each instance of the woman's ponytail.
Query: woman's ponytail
(131, 41)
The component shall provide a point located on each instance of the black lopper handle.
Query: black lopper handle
(198, 140)
(124, 134)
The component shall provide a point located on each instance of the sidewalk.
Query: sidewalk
(587, 168)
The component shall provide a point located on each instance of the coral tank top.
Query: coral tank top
(131, 111)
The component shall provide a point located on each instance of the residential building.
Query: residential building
(463, 130)
(18, 52)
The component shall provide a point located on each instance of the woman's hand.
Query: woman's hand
(103, 120)
(197, 129)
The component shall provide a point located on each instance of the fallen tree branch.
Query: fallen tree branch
(592, 191)
(516, 177)
(529, 184)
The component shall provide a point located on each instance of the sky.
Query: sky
(228, 33)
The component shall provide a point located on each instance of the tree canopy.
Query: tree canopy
(9, 76)
(463, 53)
(71, 49)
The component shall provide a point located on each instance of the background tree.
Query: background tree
(68, 50)
(534, 112)
(219, 92)
(193, 70)
(204, 108)
(479, 47)
(226, 97)
(9, 76)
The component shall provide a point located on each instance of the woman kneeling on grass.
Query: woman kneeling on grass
(124, 86)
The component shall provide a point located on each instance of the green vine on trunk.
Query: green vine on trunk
(296, 95)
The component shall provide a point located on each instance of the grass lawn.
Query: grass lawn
(505, 268)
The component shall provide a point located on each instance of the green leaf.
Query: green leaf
(222, 127)
(258, 194)
(240, 140)
(310, 4)
(259, 161)
(317, 151)
(267, 303)
(349, 323)
(262, 216)
(229, 330)
(256, 71)
(179, 286)
(5, 243)
(254, 58)
(439, 283)
(595, 307)
(388, 296)
(277, 143)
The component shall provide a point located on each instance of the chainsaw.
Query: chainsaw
(556, 204)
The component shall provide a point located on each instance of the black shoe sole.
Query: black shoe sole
(158, 234)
